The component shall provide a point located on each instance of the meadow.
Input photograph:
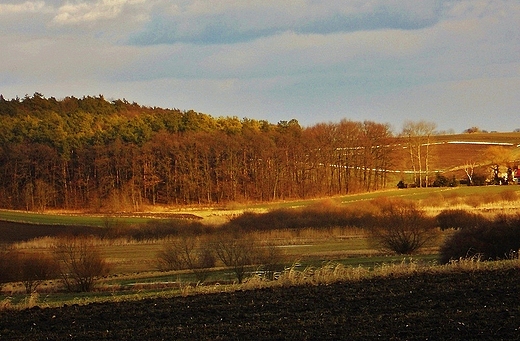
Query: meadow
(133, 263)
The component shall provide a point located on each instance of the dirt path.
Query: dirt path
(464, 306)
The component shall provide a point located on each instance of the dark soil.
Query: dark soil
(12, 232)
(456, 306)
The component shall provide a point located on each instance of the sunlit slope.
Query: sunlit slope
(452, 152)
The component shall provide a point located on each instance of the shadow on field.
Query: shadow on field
(11, 232)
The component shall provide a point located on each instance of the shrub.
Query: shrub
(6, 266)
(187, 252)
(29, 268)
(155, 230)
(496, 239)
(401, 227)
(459, 219)
(236, 252)
(443, 181)
(509, 195)
(474, 200)
(32, 269)
(80, 263)
(321, 215)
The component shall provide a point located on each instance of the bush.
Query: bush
(236, 252)
(459, 219)
(188, 252)
(6, 266)
(497, 239)
(443, 181)
(401, 227)
(32, 269)
(29, 268)
(321, 215)
(80, 263)
(509, 195)
(156, 230)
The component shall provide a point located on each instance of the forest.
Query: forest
(98, 155)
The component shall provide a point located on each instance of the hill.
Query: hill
(90, 154)
(483, 154)
(453, 151)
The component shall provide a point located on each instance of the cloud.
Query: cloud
(59, 60)
(224, 22)
(314, 60)
(87, 12)
(26, 7)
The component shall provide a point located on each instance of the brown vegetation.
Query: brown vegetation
(31, 269)
(80, 263)
(264, 244)
(95, 155)
(401, 227)
(487, 239)
(188, 252)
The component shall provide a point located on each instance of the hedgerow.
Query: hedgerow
(497, 239)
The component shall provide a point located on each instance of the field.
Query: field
(133, 264)
(364, 293)
(457, 305)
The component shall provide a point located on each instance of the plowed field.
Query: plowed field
(457, 306)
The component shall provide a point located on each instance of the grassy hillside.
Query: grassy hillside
(449, 154)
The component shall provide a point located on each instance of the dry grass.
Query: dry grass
(309, 235)
(6, 304)
(335, 272)
(136, 258)
(293, 276)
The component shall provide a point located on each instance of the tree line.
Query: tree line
(91, 153)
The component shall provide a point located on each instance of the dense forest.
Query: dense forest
(94, 154)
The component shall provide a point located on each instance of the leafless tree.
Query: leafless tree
(188, 252)
(236, 252)
(469, 169)
(80, 263)
(401, 227)
(418, 136)
(269, 258)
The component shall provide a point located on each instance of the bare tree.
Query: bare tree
(469, 169)
(418, 136)
(401, 227)
(80, 263)
(187, 252)
(235, 252)
(269, 258)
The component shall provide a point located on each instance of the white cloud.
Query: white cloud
(381, 59)
(87, 12)
(25, 7)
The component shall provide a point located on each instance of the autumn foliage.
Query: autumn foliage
(99, 155)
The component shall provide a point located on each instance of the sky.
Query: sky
(453, 63)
